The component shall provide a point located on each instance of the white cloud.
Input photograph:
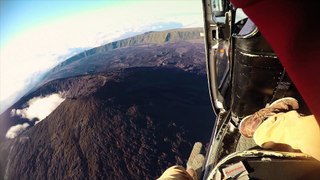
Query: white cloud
(24, 59)
(14, 131)
(39, 107)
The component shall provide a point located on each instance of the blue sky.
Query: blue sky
(36, 35)
(18, 16)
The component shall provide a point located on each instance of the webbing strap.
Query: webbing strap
(283, 86)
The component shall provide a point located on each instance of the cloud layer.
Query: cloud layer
(14, 131)
(39, 108)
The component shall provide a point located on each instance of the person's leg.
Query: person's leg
(178, 173)
(249, 124)
(300, 132)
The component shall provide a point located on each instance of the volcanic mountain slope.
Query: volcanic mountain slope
(126, 124)
(185, 51)
(152, 40)
(186, 55)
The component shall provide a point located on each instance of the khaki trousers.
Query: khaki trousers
(176, 172)
(300, 132)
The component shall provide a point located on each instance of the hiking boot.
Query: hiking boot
(284, 104)
(250, 123)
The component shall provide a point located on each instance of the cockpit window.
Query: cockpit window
(248, 27)
(240, 15)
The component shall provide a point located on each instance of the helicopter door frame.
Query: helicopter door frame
(216, 34)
